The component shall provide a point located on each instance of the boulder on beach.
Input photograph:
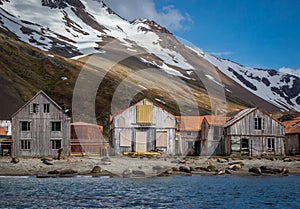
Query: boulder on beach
(221, 160)
(53, 172)
(106, 159)
(138, 173)
(67, 172)
(47, 162)
(284, 171)
(255, 170)
(211, 168)
(235, 167)
(15, 160)
(185, 169)
(127, 173)
(96, 169)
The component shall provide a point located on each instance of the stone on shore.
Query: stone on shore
(67, 172)
(211, 168)
(255, 170)
(221, 160)
(46, 162)
(96, 169)
(15, 160)
(185, 169)
(235, 167)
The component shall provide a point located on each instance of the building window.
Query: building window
(56, 126)
(25, 144)
(34, 108)
(25, 126)
(258, 124)
(56, 144)
(46, 108)
(271, 144)
(189, 133)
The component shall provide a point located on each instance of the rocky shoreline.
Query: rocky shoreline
(140, 166)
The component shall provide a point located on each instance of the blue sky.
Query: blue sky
(256, 33)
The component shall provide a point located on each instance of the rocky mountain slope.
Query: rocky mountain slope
(78, 29)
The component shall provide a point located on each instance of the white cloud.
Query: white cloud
(291, 71)
(168, 16)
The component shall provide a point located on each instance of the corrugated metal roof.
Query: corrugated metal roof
(239, 116)
(189, 123)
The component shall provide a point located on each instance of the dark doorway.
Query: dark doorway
(245, 146)
(5, 149)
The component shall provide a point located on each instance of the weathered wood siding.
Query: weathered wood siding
(40, 134)
(212, 140)
(125, 125)
(189, 143)
(257, 139)
(292, 144)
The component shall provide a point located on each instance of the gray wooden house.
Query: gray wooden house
(188, 135)
(254, 132)
(292, 136)
(40, 128)
(143, 127)
(212, 135)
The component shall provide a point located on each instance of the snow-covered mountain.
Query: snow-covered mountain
(77, 28)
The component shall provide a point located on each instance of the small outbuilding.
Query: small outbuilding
(188, 135)
(87, 138)
(212, 135)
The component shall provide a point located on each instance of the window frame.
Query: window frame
(258, 123)
(271, 144)
(54, 127)
(46, 107)
(55, 143)
(28, 125)
(25, 144)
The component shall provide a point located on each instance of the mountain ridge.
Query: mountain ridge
(79, 29)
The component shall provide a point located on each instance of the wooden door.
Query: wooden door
(141, 141)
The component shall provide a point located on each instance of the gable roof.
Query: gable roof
(189, 123)
(240, 115)
(37, 94)
(216, 120)
(292, 126)
(146, 100)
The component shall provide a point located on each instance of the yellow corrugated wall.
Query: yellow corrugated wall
(144, 113)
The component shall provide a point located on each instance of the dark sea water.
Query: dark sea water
(171, 192)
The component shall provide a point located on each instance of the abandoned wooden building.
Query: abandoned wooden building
(254, 132)
(87, 138)
(212, 135)
(188, 134)
(292, 136)
(143, 127)
(40, 128)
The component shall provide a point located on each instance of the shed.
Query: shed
(292, 136)
(87, 138)
(212, 138)
(254, 132)
(40, 128)
(188, 134)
